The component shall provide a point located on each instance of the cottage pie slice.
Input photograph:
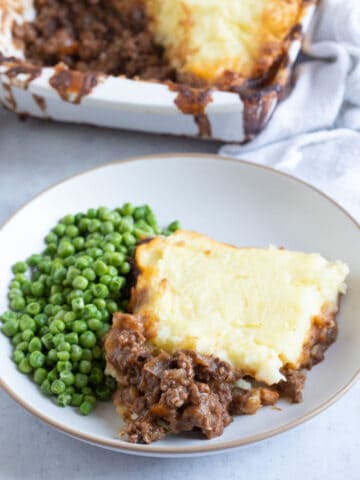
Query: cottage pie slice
(205, 316)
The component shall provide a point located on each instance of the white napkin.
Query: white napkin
(326, 96)
(330, 160)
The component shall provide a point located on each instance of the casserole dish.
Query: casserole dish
(115, 101)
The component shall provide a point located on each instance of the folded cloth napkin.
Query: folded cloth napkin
(310, 134)
(329, 160)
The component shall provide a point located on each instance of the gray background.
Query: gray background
(34, 155)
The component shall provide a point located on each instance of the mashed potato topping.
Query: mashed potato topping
(252, 307)
(210, 37)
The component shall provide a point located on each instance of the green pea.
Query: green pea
(94, 324)
(27, 323)
(70, 389)
(46, 387)
(77, 399)
(10, 328)
(17, 338)
(48, 310)
(63, 365)
(96, 376)
(100, 304)
(43, 330)
(127, 209)
(33, 308)
(56, 309)
(102, 331)
(129, 239)
(27, 335)
(77, 304)
(112, 306)
(47, 340)
(100, 268)
(114, 238)
(56, 299)
(40, 375)
(79, 243)
(14, 293)
(116, 284)
(66, 249)
(72, 231)
(81, 380)
(83, 262)
(22, 346)
(99, 290)
(87, 339)
(126, 224)
(67, 377)
(35, 345)
(125, 268)
(68, 220)
(112, 271)
(80, 282)
(52, 356)
(17, 356)
(18, 304)
(57, 387)
(53, 375)
(95, 252)
(79, 326)
(90, 398)
(139, 212)
(84, 225)
(78, 217)
(59, 275)
(106, 279)
(69, 318)
(51, 249)
(40, 319)
(63, 346)
(33, 260)
(45, 266)
(63, 356)
(57, 326)
(116, 259)
(36, 359)
(19, 267)
(63, 399)
(91, 213)
(69, 261)
(86, 408)
(89, 274)
(94, 225)
(24, 366)
(108, 247)
(85, 366)
(76, 353)
(76, 293)
(72, 338)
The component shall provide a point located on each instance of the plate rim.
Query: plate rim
(151, 450)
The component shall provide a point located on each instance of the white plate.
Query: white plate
(235, 202)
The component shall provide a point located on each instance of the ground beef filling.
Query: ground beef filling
(104, 36)
(161, 393)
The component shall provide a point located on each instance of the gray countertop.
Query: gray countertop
(36, 154)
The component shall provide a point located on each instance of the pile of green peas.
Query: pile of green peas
(62, 300)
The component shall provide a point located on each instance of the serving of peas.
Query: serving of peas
(61, 301)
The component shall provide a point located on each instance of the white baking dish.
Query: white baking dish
(118, 102)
